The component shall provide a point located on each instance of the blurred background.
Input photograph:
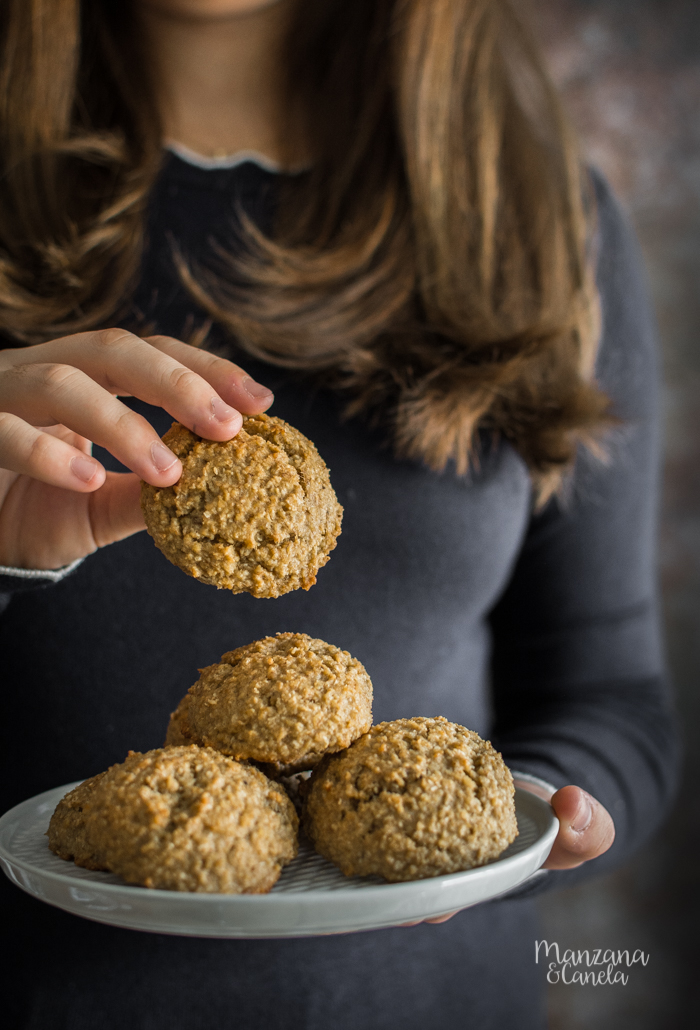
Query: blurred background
(629, 72)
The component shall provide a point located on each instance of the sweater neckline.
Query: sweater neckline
(225, 162)
(230, 161)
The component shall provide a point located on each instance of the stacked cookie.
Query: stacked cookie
(283, 702)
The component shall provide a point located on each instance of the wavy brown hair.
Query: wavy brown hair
(434, 262)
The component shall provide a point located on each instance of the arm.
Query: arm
(579, 686)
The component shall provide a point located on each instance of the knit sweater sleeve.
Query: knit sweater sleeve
(580, 690)
(13, 581)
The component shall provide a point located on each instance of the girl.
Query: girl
(374, 210)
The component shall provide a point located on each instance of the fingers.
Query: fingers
(586, 829)
(50, 394)
(28, 450)
(74, 382)
(441, 919)
(120, 362)
(232, 383)
(437, 919)
(194, 386)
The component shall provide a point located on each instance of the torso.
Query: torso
(106, 655)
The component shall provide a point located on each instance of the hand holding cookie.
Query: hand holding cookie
(57, 397)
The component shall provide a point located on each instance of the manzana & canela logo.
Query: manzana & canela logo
(596, 967)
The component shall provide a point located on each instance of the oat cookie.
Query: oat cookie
(190, 819)
(178, 731)
(256, 513)
(284, 700)
(411, 799)
(67, 829)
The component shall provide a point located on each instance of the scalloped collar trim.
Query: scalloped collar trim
(227, 161)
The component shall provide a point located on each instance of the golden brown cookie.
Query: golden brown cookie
(284, 700)
(411, 799)
(67, 829)
(257, 513)
(190, 819)
(178, 731)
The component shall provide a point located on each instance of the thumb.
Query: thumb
(586, 829)
(115, 509)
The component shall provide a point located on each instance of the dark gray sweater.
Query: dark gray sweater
(539, 632)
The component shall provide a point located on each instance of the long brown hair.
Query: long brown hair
(434, 262)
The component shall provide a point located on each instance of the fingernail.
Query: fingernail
(162, 457)
(222, 412)
(83, 468)
(256, 390)
(582, 819)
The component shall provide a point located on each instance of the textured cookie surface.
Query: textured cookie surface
(411, 799)
(190, 819)
(257, 513)
(67, 831)
(284, 700)
(179, 726)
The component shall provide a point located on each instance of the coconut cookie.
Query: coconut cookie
(284, 701)
(190, 819)
(256, 513)
(411, 799)
(67, 831)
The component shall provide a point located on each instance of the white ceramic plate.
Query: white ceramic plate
(311, 897)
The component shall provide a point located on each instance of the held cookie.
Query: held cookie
(283, 701)
(411, 799)
(190, 819)
(256, 513)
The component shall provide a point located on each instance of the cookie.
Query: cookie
(67, 830)
(190, 819)
(411, 799)
(284, 700)
(178, 731)
(256, 513)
